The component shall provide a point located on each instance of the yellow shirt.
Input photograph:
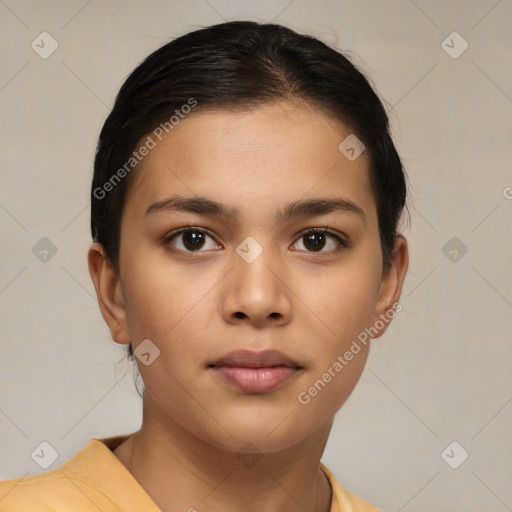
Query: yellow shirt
(95, 479)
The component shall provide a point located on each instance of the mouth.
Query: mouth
(256, 372)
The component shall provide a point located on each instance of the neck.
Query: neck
(179, 471)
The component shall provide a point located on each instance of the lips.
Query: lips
(248, 359)
(255, 372)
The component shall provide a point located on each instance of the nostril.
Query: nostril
(239, 314)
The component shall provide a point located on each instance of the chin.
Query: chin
(260, 433)
(257, 443)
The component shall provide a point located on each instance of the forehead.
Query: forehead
(261, 155)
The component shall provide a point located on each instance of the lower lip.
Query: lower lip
(256, 380)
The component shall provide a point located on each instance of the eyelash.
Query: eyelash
(343, 244)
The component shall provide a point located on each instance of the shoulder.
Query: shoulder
(72, 486)
(48, 492)
(344, 500)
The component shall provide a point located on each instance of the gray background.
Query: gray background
(441, 373)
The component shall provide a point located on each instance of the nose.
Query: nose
(257, 293)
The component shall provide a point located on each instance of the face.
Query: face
(251, 274)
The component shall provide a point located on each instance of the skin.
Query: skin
(198, 306)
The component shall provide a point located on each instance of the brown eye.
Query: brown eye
(190, 239)
(315, 240)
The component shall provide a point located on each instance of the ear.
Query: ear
(391, 288)
(109, 293)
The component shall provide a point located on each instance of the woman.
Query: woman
(245, 204)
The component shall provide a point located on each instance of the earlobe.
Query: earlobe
(109, 293)
(391, 287)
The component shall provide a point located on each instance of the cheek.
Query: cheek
(158, 298)
(330, 387)
(346, 310)
(343, 301)
(171, 307)
(344, 305)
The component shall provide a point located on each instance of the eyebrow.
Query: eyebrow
(300, 208)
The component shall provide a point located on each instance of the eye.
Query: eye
(317, 239)
(193, 239)
(190, 239)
